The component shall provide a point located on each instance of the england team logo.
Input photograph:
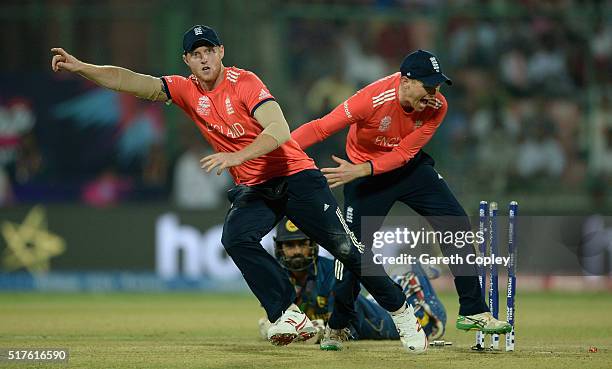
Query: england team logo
(203, 105)
(228, 106)
(418, 123)
(384, 123)
(434, 64)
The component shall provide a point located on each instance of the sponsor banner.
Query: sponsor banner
(112, 281)
(43, 240)
(158, 240)
(74, 238)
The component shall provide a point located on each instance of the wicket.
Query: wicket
(487, 225)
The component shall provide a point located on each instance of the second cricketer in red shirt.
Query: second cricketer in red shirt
(390, 121)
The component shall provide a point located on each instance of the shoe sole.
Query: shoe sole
(306, 334)
(483, 330)
(330, 347)
(282, 339)
(497, 331)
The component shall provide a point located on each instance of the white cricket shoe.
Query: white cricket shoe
(411, 333)
(292, 325)
(264, 325)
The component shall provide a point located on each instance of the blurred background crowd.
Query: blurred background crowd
(529, 111)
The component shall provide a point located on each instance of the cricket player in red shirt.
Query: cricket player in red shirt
(390, 121)
(238, 116)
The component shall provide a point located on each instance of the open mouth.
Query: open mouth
(205, 69)
(422, 103)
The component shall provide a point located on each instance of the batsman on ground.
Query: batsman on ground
(314, 277)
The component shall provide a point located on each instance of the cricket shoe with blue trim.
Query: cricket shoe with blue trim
(291, 326)
(411, 334)
(484, 322)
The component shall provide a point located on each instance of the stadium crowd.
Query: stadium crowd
(529, 108)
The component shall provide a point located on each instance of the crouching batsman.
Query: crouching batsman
(314, 277)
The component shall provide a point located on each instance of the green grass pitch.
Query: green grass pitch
(197, 330)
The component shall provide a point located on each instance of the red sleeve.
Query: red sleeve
(411, 144)
(252, 91)
(176, 88)
(349, 112)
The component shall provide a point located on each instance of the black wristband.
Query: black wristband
(371, 167)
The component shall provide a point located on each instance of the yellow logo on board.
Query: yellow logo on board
(30, 245)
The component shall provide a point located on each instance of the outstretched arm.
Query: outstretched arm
(108, 76)
(353, 110)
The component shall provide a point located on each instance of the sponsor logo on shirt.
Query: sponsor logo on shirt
(418, 123)
(346, 110)
(322, 301)
(203, 105)
(233, 130)
(228, 106)
(263, 94)
(385, 141)
(384, 123)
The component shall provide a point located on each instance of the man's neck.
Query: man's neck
(300, 276)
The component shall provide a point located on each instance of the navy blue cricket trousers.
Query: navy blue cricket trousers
(307, 201)
(418, 185)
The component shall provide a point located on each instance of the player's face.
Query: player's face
(205, 62)
(414, 94)
(297, 249)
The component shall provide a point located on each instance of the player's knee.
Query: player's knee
(229, 240)
(341, 246)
